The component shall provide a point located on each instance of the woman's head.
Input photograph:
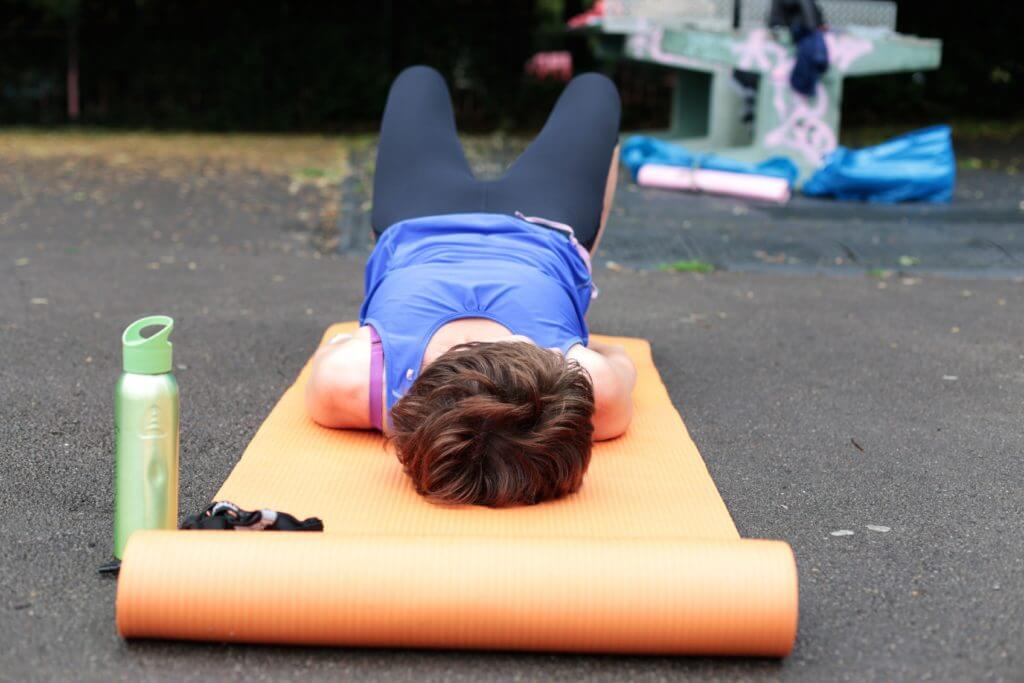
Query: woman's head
(496, 423)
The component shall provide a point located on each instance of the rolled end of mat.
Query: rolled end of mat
(734, 597)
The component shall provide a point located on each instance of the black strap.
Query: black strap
(224, 515)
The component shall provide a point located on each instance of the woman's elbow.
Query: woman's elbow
(329, 394)
(613, 405)
(612, 422)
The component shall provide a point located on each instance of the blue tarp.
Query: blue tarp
(917, 166)
(640, 149)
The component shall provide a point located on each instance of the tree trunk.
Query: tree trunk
(74, 108)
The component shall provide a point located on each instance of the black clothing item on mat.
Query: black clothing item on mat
(227, 515)
(422, 169)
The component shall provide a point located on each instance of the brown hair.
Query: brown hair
(497, 424)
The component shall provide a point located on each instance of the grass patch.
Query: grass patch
(312, 172)
(688, 267)
(307, 156)
(878, 273)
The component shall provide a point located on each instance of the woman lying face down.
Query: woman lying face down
(498, 422)
(473, 354)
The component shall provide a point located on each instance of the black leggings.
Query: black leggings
(422, 170)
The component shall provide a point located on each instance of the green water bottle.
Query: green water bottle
(146, 433)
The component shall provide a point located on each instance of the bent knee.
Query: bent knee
(598, 87)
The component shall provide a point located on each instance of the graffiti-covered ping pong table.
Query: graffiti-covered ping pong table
(705, 41)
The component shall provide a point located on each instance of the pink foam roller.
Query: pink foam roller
(760, 187)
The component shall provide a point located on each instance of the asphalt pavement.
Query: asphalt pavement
(889, 406)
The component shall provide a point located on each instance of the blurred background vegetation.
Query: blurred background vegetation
(317, 66)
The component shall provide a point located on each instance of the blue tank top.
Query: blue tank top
(428, 271)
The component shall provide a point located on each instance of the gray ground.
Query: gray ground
(978, 235)
(819, 403)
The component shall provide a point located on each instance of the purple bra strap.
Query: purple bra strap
(376, 379)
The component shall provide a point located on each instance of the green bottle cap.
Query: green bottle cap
(148, 355)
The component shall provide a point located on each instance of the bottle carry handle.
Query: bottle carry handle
(133, 333)
(148, 355)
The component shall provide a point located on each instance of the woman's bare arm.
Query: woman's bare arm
(614, 376)
(338, 389)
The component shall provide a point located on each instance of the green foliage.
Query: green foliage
(981, 73)
(286, 65)
(299, 65)
(59, 8)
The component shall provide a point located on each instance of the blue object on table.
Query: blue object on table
(641, 149)
(916, 166)
(811, 60)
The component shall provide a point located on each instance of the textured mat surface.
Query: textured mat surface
(644, 559)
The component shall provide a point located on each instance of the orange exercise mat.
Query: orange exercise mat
(644, 559)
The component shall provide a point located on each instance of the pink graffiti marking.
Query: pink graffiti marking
(802, 123)
(760, 52)
(802, 120)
